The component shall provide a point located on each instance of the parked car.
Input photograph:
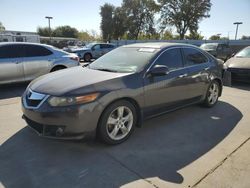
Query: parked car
(93, 51)
(118, 91)
(239, 65)
(220, 51)
(21, 62)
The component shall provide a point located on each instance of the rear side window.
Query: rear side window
(34, 51)
(12, 51)
(193, 57)
(106, 46)
(171, 58)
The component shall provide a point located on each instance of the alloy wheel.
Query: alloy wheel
(119, 123)
(213, 93)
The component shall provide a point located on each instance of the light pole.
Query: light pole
(49, 18)
(237, 26)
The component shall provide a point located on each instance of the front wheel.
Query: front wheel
(117, 122)
(212, 94)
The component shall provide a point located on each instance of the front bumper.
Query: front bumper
(73, 122)
(238, 74)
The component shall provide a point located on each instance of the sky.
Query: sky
(27, 15)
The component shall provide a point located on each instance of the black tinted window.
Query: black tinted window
(106, 46)
(12, 51)
(171, 58)
(33, 51)
(193, 57)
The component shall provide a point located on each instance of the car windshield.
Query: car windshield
(209, 46)
(124, 59)
(244, 53)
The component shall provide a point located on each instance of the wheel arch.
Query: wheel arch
(133, 102)
(220, 84)
(58, 65)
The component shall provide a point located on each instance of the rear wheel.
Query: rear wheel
(87, 57)
(212, 94)
(117, 122)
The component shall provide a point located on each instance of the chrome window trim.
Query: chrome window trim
(31, 107)
(180, 47)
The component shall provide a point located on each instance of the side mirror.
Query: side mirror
(159, 70)
(93, 48)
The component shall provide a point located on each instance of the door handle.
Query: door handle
(182, 76)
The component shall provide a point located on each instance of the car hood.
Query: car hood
(74, 81)
(237, 62)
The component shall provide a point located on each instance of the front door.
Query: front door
(163, 93)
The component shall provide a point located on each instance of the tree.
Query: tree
(65, 31)
(2, 28)
(215, 37)
(140, 16)
(194, 36)
(167, 35)
(43, 31)
(119, 23)
(245, 37)
(184, 14)
(107, 11)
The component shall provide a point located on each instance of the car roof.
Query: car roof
(156, 45)
(211, 43)
(28, 43)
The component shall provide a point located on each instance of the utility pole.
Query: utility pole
(237, 27)
(49, 18)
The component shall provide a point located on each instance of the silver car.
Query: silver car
(21, 62)
(93, 51)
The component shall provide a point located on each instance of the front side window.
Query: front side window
(193, 57)
(35, 51)
(12, 51)
(97, 47)
(171, 58)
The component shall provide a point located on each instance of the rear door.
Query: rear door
(11, 69)
(97, 51)
(198, 72)
(38, 61)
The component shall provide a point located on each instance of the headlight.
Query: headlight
(67, 101)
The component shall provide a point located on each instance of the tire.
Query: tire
(121, 125)
(212, 95)
(57, 68)
(87, 57)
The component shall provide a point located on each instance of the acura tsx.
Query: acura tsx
(112, 95)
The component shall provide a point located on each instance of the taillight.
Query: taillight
(75, 58)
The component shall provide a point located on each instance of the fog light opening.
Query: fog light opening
(59, 132)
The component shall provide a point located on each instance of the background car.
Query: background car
(220, 51)
(21, 62)
(239, 65)
(93, 51)
(119, 90)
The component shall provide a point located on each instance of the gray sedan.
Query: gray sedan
(119, 90)
(21, 62)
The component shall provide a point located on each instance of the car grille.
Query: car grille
(239, 71)
(34, 99)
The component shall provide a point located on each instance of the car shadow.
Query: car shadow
(12, 90)
(163, 146)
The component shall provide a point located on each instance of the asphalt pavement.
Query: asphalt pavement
(191, 147)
